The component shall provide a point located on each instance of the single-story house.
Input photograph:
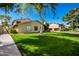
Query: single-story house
(54, 27)
(26, 25)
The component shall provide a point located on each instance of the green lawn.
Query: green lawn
(51, 44)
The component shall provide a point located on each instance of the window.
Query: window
(28, 28)
(35, 28)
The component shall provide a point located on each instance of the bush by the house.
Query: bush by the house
(11, 30)
(46, 27)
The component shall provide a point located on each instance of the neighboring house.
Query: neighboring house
(54, 27)
(26, 25)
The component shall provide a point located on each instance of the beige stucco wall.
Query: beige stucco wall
(22, 28)
(36, 24)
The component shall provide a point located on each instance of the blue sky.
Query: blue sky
(61, 10)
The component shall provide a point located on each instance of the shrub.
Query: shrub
(11, 30)
(0, 29)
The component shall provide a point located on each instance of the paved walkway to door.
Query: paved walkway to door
(7, 46)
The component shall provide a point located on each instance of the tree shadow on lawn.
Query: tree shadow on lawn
(48, 45)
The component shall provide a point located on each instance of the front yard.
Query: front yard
(52, 44)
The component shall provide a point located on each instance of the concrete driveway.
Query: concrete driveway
(7, 46)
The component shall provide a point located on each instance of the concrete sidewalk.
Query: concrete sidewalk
(70, 32)
(7, 46)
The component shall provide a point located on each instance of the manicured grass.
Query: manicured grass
(51, 44)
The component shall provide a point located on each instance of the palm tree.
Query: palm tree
(5, 19)
(6, 7)
(39, 8)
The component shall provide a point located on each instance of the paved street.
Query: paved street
(7, 46)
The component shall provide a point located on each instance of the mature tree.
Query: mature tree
(39, 8)
(71, 17)
(71, 14)
(5, 19)
(6, 7)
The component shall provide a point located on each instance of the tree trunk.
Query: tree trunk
(5, 19)
(72, 25)
(41, 29)
(42, 23)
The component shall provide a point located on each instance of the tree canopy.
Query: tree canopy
(74, 13)
(72, 17)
